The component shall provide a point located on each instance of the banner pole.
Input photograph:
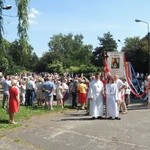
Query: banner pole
(105, 80)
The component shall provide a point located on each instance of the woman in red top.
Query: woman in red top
(13, 106)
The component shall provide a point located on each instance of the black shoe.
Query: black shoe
(117, 118)
(73, 107)
(109, 118)
(93, 118)
(100, 117)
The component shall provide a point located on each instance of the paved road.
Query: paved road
(76, 131)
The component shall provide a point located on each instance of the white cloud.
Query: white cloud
(33, 15)
(31, 21)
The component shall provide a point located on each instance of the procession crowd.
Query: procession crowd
(88, 94)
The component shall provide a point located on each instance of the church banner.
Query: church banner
(116, 63)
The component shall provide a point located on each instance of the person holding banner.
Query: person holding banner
(95, 96)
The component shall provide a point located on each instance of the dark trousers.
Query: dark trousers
(30, 97)
(5, 100)
(127, 99)
(74, 99)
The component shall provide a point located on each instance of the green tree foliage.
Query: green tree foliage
(136, 52)
(1, 19)
(4, 45)
(20, 51)
(23, 24)
(4, 64)
(5, 59)
(46, 59)
(15, 56)
(83, 69)
(67, 49)
(70, 50)
(107, 43)
(22, 6)
(34, 59)
(55, 66)
(1, 30)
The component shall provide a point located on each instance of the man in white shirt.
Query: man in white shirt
(5, 85)
(121, 94)
(30, 91)
(127, 92)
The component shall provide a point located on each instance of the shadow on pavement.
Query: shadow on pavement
(3, 121)
(75, 115)
(83, 119)
(138, 106)
(76, 119)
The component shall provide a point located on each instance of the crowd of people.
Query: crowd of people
(90, 94)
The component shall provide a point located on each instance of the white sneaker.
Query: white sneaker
(12, 122)
(125, 112)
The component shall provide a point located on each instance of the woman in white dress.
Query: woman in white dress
(112, 99)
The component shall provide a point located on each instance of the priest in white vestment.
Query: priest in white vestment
(96, 98)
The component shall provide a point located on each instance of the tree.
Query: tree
(3, 43)
(22, 6)
(68, 50)
(15, 55)
(136, 52)
(107, 43)
(55, 66)
(46, 59)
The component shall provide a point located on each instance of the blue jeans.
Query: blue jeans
(30, 94)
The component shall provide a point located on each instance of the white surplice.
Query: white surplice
(96, 102)
(111, 100)
(119, 84)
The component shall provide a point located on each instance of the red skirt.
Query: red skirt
(13, 102)
(13, 106)
(82, 98)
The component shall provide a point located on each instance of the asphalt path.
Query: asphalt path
(74, 130)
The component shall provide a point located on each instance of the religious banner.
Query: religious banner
(116, 63)
(128, 70)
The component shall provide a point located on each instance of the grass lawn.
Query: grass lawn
(26, 112)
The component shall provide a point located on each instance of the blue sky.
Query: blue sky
(91, 18)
